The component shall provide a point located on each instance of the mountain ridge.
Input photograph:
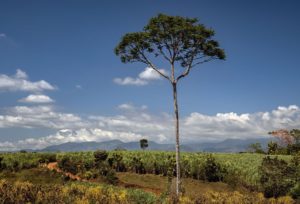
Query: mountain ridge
(227, 145)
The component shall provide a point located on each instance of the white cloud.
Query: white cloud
(32, 98)
(143, 78)
(151, 74)
(136, 122)
(40, 117)
(21, 74)
(20, 82)
(130, 81)
(131, 107)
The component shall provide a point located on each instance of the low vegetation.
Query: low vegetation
(245, 176)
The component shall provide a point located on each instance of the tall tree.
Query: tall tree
(143, 143)
(181, 42)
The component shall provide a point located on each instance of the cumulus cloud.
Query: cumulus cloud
(143, 78)
(20, 82)
(21, 74)
(135, 122)
(42, 116)
(151, 74)
(34, 98)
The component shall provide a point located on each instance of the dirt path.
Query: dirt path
(54, 166)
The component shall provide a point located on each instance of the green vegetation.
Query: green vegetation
(244, 166)
(214, 175)
(143, 144)
(17, 161)
(26, 192)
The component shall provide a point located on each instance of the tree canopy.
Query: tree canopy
(176, 39)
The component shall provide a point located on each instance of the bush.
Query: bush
(276, 177)
(213, 170)
(1, 165)
(111, 177)
(100, 156)
(47, 157)
(67, 165)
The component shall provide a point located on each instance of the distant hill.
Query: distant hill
(228, 145)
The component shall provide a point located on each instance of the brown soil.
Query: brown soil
(54, 166)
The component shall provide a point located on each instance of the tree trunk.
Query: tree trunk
(174, 84)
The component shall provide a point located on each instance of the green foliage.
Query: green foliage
(100, 156)
(295, 191)
(272, 148)
(1, 165)
(68, 165)
(138, 165)
(256, 148)
(234, 169)
(175, 38)
(276, 177)
(17, 161)
(116, 161)
(143, 143)
(242, 168)
(47, 157)
(295, 133)
(213, 170)
(292, 149)
(26, 192)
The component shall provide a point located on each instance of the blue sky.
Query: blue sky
(69, 45)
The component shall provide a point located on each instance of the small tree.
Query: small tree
(256, 148)
(143, 143)
(272, 148)
(100, 156)
(289, 140)
(180, 42)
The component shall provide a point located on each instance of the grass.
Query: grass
(147, 182)
(35, 176)
(159, 184)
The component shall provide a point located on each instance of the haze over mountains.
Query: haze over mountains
(228, 145)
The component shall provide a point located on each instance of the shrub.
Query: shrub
(111, 177)
(100, 156)
(67, 165)
(276, 177)
(213, 170)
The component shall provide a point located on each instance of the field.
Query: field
(132, 177)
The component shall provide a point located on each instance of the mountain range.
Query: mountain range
(228, 145)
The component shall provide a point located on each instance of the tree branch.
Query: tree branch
(201, 62)
(153, 67)
(188, 69)
(164, 55)
(185, 73)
